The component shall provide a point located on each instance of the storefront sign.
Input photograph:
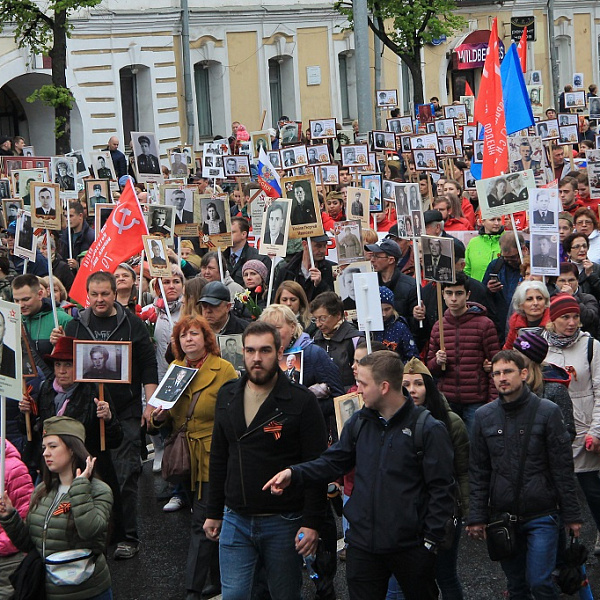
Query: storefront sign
(517, 24)
(471, 56)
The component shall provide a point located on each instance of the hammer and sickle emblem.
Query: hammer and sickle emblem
(121, 224)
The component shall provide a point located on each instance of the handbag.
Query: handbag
(29, 578)
(70, 567)
(176, 462)
(501, 532)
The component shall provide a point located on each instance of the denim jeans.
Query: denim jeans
(467, 413)
(529, 573)
(590, 484)
(446, 574)
(244, 540)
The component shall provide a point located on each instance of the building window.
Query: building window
(343, 62)
(565, 67)
(137, 107)
(202, 81)
(282, 88)
(275, 90)
(347, 86)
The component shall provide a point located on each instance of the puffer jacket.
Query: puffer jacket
(469, 340)
(19, 487)
(340, 348)
(584, 390)
(82, 525)
(396, 336)
(548, 484)
(481, 250)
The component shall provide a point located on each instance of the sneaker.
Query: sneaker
(157, 463)
(597, 545)
(125, 550)
(174, 504)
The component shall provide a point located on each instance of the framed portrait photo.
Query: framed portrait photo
(469, 102)
(182, 199)
(594, 105)
(322, 129)
(22, 180)
(357, 204)
(425, 160)
(547, 130)
(438, 259)
(290, 133)
(403, 125)
(318, 155)
(382, 141)
(355, 155)
(102, 213)
(386, 98)
(545, 253)
(305, 214)
(232, 350)
(345, 406)
(97, 191)
(373, 183)
(327, 174)
(81, 167)
(215, 217)
(574, 99)
(178, 164)
(344, 285)
(161, 220)
(292, 365)
(102, 165)
(11, 383)
(446, 146)
(46, 208)
(102, 362)
(25, 240)
(348, 241)
(457, 112)
(171, 387)
(10, 209)
(156, 254)
(445, 127)
(260, 140)
(505, 194)
(565, 119)
(293, 157)
(146, 156)
(5, 191)
(275, 228)
(469, 135)
(427, 141)
(236, 166)
(64, 173)
(567, 135)
(274, 158)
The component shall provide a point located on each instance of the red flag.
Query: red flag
(119, 240)
(522, 50)
(489, 111)
(468, 90)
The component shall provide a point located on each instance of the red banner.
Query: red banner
(522, 50)
(119, 240)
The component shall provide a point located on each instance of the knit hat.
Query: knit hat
(562, 304)
(386, 295)
(533, 346)
(241, 134)
(257, 266)
(416, 367)
(64, 426)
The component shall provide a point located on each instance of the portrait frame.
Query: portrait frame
(11, 362)
(119, 355)
(594, 107)
(383, 141)
(469, 102)
(172, 386)
(330, 174)
(21, 177)
(108, 164)
(290, 133)
(357, 204)
(568, 135)
(446, 269)
(428, 161)
(297, 154)
(405, 125)
(328, 129)
(547, 129)
(447, 146)
(102, 214)
(260, 139)
(578, 99)
(536, 96)
(176, 170)
(515, 158)
(268, 246)
(445, 127)
(322, 155)
(544, 208)
(218, 240)
(90, 185)
(565, 119)
(578, 80)
(373, 183)
(212, 166)
(242, 165)
(82, 168)
(424, 141)
(28, 151)
(344, 286)
(25, 238)
(297, 377)
(355, 155)
(469, 136)
(513, 197)
(342, 415)
(70, 163)
(351, 250)
(190, 213)
(274, 158)
(386, 98)
(545, 263)
(535, 78)
(300, 228)
(49, 221)
(6, 203)
(147, 166)
(469, 182)
(478, 148)
(27, 359)
(457, 112)
(167, 229)
(5, 189)
(238, 362)
(158, 265)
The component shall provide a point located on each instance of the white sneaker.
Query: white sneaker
(157, 463)
(174, 504)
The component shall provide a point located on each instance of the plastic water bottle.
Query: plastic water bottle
(309, 562)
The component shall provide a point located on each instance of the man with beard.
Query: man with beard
(263, 422)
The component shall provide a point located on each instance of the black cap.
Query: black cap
(214, 293)
(387, 246)
(318, 238)
(432, 216)
(392, 232)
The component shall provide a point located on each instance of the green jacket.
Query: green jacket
(83, 525)
(481, 251)
(40, 326)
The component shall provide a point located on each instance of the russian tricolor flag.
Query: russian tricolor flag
(267, 176)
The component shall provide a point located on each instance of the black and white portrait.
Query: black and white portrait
(544, 253)
(438, 258)
(383, 141)
(345, 407)
(275, 228)
(97, 191)
(103, 362)
(427, 141)
(46, 212)
(179, 165)
(318, 155)
(445, 127)
(146, 153)
(172, 386)
(102, 164)
(161, 220)
(544, 207)
(373, 184)
(10, 350)
(182, 200)
(386, 98)
(425, 160)
(232, 350)
(236, 166)
(348, 241)
(355, 155)
(214, 218)
(322, 129)
(305, 216)
(64, 171)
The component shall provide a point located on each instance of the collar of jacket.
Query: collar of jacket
(398, 417)
(517, 404)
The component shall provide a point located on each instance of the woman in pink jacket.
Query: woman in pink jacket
(19, 486)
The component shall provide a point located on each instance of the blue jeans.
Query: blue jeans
(590, 484)
(467, 413)
(529, 573)
(107, 595)
(244, 539)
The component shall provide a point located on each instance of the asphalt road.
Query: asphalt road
(156, 573)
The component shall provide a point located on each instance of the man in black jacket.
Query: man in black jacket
(548, 491)
(389, 477)
(106, 320)
(216, 309)
(263, 422)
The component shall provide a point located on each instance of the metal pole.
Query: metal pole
(187, 74)
(554, 75)
(364, 93)
(377, 63)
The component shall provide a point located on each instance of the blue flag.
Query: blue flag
(517, 106)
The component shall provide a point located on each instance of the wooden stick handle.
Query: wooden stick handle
(441, 319)
(102, 431)
(27, 416)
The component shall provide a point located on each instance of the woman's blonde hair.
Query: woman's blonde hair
(535, 377)
(276, 313)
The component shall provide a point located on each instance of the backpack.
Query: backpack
(417, 427)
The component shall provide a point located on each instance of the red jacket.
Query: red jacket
(468, 212)
(19, 487)
(571, 210)
(327, 221)
(469, 339)
(457, 224)
(518, 321)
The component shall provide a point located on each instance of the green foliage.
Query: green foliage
(408, 24)
(58, 98)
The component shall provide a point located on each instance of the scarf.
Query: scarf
(334, 330)
(196, 364)
(62, 397)
(561, 341)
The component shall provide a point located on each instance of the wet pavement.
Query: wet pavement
(156, 573)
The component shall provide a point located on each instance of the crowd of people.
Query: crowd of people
(481, 397)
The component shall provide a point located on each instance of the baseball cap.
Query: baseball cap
(319, 238)
(392, 232)
(387, 246)
(432, 216)
(214, 293)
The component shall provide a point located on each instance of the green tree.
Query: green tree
(404, 26)
(44, 28)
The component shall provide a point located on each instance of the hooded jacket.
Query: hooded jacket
(480, 252)
(19, 487)
(469, 339)
(40, 326)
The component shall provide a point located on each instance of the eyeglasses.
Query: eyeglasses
(579, 247)
(380, 256)
(584, 222)
(319, 319)
(504, 372)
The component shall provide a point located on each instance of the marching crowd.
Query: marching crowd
(481, 403)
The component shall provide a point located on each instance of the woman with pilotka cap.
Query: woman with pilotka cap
(69, 511)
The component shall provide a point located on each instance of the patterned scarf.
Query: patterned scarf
(561, 341)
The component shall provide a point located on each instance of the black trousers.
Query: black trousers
(368, 574)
